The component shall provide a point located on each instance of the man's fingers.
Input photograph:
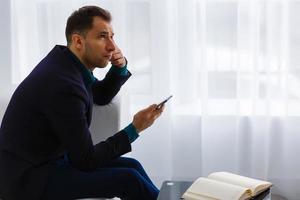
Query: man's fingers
(157, 112)
(117, 59)
(116, 56)
(119, 62)
(157, 116)
(161, 108)
(152, 107)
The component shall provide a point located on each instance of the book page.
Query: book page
(256, 186)
(210, 189)
(192, 196)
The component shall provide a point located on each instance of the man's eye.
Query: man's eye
(103, 36)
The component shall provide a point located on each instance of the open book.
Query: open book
(225, 186)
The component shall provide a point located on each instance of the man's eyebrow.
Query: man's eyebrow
(105, 33)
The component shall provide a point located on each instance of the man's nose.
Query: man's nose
(111, 46)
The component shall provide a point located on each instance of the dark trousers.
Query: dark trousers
(123, 177)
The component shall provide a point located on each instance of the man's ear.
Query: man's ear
(77, 41)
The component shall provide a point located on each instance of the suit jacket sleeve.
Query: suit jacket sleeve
(105, 90)
(66, 111)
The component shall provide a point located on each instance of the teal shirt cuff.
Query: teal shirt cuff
(131, 133)
(120, 70)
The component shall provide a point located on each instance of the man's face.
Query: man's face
(98, 44)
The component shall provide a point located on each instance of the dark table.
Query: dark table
(173, 190)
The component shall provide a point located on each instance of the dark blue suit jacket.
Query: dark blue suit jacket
(48, 115)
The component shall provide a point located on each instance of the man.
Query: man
(46, 151)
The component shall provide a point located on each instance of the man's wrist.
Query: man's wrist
(136, 129)
(124, 63)
(131, 132)
(120, 70)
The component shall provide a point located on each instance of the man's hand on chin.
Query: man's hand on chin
(117, 58)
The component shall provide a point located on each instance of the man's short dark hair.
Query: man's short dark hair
(81, 20)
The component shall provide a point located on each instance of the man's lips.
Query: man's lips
(108, 57)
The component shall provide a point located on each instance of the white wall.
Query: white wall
(5, 48)
(5, 57)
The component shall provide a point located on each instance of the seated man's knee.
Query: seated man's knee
(134, 181)
(136, 188)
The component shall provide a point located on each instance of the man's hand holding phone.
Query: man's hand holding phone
(146, 117)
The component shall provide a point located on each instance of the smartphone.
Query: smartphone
(163, 102)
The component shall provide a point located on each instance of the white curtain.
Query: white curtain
(233, 67)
